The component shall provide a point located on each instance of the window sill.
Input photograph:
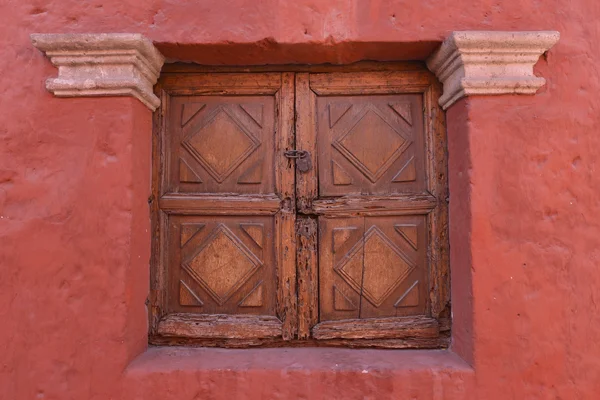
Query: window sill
(313, 372)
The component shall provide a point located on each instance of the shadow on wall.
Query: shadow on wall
(267, 51)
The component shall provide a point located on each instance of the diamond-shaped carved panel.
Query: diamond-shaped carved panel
(372, 145)
(375, 267)
(222, 265)
(221, 145)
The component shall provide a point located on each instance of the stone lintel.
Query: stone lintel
(489, 63)
(102, 64)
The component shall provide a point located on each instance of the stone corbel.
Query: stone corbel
(126, 64)
(107, 64)
(489, 63)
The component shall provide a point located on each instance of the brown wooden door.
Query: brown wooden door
(374, 198)
(256, 248)
(227, 194)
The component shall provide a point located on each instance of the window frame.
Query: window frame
(417, 80)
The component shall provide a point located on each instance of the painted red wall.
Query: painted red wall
(524, 179)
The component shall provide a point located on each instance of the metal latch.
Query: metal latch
(302, 157)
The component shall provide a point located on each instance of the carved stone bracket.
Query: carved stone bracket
(489, 63)
(127, 64)
(106, 64)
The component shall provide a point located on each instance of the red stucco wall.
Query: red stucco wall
(74, 180)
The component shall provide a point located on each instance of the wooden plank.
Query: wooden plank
(285, 247)
(306, 139)
(375, 205)
(157, 299)
(352, 83)
(308, 290)
(409, 343)
(219, 326)
(222, 84)
(284, 167)
(437, 172)
(285, 242)
(378, 328)
(220, 205)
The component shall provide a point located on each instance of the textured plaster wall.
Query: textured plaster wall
(74, 179)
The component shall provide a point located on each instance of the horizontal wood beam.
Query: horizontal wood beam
(222, 84)
(374, 205)
(382, 83)
(219, 326)
(220, 205)
(378, 328)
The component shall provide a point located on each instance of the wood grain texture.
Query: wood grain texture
(366, 267)
(234, 279)
(306, 261)
(374, 144)
(353, 83)
(285, 242)
(378, 328)
(375, 205)
(221, 84)
(217, 204)
(338, 241)
(440, 342)
(221, 263)
(219, 326)
(284, 168)
(437, 170)
(286, 293)
(306, 139)
(221, 144)
(157, 298)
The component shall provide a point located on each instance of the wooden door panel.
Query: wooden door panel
(338, 299)
(370, 145)
(222, 144)
(225, 265)
(226, 208)
(377, 192)
(372, 267)
(395, 268)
